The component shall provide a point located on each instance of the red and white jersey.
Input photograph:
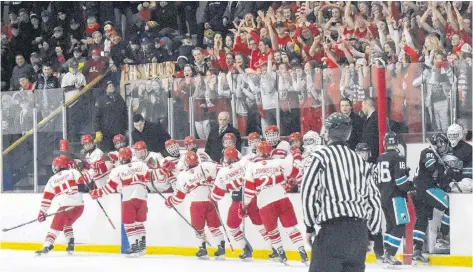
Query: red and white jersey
(113, 155)
(248, 158)
(64, 186)
(99, 172)
(152, 160)
(281, 150)
(309, 149)
(195, 182)
(297, 163)
(179, 168)
(229, 178)
(159, 180)
(265, 178)
(131, 179)
(94, 156)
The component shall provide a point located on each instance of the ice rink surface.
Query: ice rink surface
(26, 261)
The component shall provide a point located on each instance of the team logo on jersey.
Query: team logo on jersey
(264, 162)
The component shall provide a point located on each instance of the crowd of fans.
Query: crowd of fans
(275, 57)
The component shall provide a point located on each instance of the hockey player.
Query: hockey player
(253, 139)
(230, 178)
(228, 140)
(461, 150)
(173, 149)
(190, 144)
(363, 150)
(280, 148)
(132, 178)
(66, 185)
(265, 177)
(312, 142)
(196, 181)
(90, 150)
(151, 159)
(295, 140)
(97, 168)
(118, 142)
(393, 184)
(431, 182)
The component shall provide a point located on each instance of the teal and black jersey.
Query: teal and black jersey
(393, 178)
(430, 172)
(463, 152)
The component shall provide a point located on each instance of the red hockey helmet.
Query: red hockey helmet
(60, 162)
(124, 154)
(87, 139)
(191, 159)
(229, 139)
(118, 141)
(230, 154)
(190, 143)
(271, 134)
(264, 148)
(172, 147)
(295, 139)
(253, 139)
(140, 150)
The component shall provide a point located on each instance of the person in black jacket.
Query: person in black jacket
(370, 128)
(154, 135)
(214, 145)
(110, 118)
(346, 108)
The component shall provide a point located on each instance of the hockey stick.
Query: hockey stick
(244, 219)
(178, 213)
(442, 162)
(98, 202)
(32, 221)
(218, 213)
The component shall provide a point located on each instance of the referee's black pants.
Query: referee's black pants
(340, 246)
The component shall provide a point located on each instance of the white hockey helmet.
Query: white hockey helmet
(312, 138)
(454, 134)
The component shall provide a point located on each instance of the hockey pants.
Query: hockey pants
(425, 202)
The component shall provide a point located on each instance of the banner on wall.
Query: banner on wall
(148, 71)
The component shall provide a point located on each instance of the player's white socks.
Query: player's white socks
(296, 237)
(217, 233)
(238, 237)
(140, 229)
(275, 238)
(200, 234)
(68, 232)
(263, 233)
(131, 233)
(50, 237)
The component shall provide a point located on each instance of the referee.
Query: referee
(335, 194)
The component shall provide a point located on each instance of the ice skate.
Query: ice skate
(274, 255)
(220, 253)
(247, 253)
(133, 251)
(417, 257)
(390, 262)
(282, 255)
(142, 246)
(379, 258)
(70, 246)
(45, 250)
(202, 253)
(304, 257)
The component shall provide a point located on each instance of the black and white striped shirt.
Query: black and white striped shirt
(337, 183)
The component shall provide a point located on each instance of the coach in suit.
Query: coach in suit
(370, 128)
(214, 145)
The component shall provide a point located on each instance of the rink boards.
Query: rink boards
(168, 234)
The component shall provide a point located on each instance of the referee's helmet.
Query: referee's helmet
(338, 126)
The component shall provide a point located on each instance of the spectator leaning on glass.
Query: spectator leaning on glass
(153, 134)
(357, 122)
(214, 145)
(110, 118)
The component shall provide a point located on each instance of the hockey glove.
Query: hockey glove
(168, 202)
(96, 193)
(41, 216)
(168, 166)
(242, 212)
